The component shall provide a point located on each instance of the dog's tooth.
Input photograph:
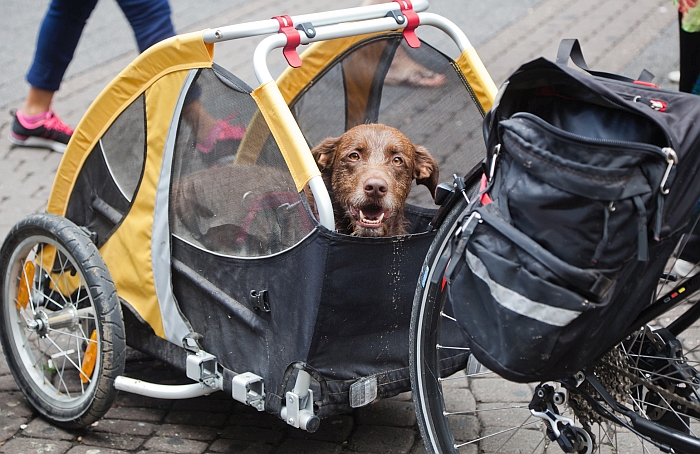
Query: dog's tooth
(362, 216)
(380, 218)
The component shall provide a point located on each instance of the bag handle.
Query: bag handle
(571, 48)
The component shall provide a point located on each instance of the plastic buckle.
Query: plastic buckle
(411, 16)
(293, 40)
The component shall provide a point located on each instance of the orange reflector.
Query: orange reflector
(25, 283)
(89, 358)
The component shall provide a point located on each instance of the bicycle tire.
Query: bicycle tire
(494, 416)
(61, 323)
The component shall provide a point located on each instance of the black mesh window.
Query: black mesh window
(231, 190)
(111, 174)
(124, 146)
(370, 83)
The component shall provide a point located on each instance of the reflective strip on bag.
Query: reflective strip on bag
(516, 302)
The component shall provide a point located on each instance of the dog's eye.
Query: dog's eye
(354, 156)
(397, 161)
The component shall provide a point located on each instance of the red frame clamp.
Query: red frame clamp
(411, 16)
(293, 40)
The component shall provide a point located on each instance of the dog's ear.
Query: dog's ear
(425, 169)
(324, 153)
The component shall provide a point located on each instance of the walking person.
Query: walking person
(36, 124)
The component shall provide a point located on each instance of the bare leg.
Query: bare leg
(38, 101)
(404, 70)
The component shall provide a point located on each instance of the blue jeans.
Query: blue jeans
(64, 23)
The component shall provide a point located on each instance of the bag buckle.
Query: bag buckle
(671, 160)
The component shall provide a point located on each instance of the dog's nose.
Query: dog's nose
(376, 187)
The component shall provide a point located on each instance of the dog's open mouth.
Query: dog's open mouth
(370, 216)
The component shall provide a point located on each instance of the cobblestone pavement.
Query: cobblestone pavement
(621, 36)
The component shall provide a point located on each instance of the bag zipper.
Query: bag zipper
(655, 104)
(644, 147)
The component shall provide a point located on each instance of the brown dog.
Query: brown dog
(368, 172)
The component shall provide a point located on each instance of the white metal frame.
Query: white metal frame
(330, 25)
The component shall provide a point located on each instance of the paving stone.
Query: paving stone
(94, 450)
(464, 427)
(24, 445)
(121, 426)
(257, 419)
(254, 434)
(309, 447)
(334, 429)
(524, 442)
(4, 368)
(42, 429)
(125, 399)
(239, 447)
(208, 404)
(505, 414)
(188, 432)
(15, 404)
(459, 399)
(135, 414)
(7, 383)
(113, 441)
(499, 390)
(388, 413)
(201, 418)
(379, 439)
(10, 425)
(176, 445)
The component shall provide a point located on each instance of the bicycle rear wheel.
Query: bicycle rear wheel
(652, 373)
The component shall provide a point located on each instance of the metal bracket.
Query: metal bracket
(202, 367)
(249, 389)
(299, 411)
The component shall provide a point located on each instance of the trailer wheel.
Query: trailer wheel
(61, 323)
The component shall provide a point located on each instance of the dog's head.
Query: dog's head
(369, 170)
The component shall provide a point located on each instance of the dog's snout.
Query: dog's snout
(376, 187)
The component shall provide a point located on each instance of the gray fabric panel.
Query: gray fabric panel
(176, 328)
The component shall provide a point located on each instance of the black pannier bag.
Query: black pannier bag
(588, 184)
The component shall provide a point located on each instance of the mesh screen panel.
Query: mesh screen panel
(355, 89)
(124, 147)
(232, 192)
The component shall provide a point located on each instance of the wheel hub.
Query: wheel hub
(67, 317)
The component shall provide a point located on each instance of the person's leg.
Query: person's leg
(150, 20)
(404, 70)
(58, 37)
(35, 125)
(690, 60)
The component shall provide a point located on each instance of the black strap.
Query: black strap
(570, 48)
(588, 281)
(604, 240)
(642, 245)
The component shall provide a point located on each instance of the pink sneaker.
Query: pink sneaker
(45, 130)
(222, 130)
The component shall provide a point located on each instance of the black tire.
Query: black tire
(493, 416)
(56, 295)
